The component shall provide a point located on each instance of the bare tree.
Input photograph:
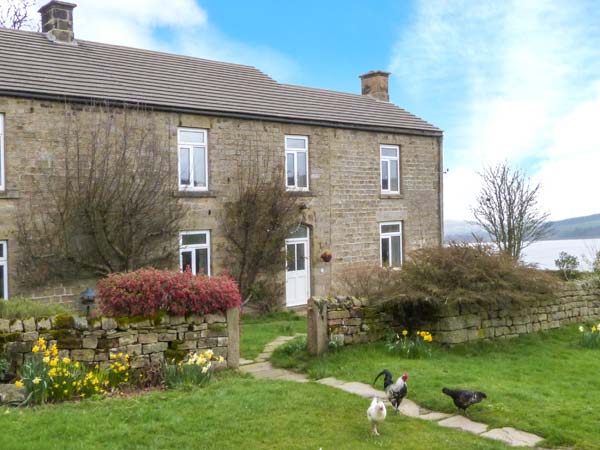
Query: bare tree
(507, 209)
(256, 223)
(16, 14)
(106, 202)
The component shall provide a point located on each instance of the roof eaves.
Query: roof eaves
(232, 114)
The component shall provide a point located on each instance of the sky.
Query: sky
(508, 81)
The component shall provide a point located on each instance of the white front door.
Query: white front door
(297, 278)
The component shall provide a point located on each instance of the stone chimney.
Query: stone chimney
(375, 84)
(57, 21)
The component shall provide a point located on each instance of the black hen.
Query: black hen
(463, 398)
(395, 391)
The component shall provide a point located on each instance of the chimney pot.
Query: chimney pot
(57, 21)
(375, 84)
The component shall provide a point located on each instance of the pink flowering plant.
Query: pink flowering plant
(147, 292)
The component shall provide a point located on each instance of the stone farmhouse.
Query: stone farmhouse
(369, 173)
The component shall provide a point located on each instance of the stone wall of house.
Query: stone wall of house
(349, 320)
(343, 207)
(146, 341)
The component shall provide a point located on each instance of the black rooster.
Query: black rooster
(463, 398)
(395, 391)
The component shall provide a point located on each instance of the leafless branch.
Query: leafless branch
(507, 209)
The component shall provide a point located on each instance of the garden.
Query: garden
(544, 383)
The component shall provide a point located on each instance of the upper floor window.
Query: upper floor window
(2, 187)
(194, 251)
(296, 163)
(3, 270)
(193, 159)
(390, 169)
(391, 244)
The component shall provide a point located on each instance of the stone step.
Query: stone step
(513, 437)
(462, 423)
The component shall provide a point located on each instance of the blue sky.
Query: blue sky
(515, 81)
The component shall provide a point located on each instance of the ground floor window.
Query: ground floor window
(391, 244)
(3, 270)
(194, 251)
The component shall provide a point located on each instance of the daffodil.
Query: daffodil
(66, 360)
(35, 349)
(46, 359)
(19, 384)
(36, 380)
(404, 332)
(581, 328)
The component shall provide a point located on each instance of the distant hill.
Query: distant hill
(586, 227)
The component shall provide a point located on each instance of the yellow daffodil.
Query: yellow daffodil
(35, 349)
(47, 353)
(404, 332)
(36, 380)
(221, 359)
(52, 372)
(19, 384)
(77, 365)
(594, 329)
(46, 359)
(66, 360)
(54, 362)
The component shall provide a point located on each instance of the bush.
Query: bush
(367, 281)
(567, 264)
(22, 308)
(461, 273)
(147, 292)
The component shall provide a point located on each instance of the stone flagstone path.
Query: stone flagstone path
(262, 368)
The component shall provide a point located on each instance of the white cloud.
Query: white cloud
(176, 26)
(517, 78)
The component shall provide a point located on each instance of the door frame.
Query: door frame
(306, 241)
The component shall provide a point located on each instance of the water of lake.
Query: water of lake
(544, 253)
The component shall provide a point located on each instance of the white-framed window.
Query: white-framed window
(390, 169)
(194, 251)
(296, 163)
(2, 183)
(3, 270)
(390, 237)
(192, 144)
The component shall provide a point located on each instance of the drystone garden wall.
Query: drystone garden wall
(347, 320)
(146, 341)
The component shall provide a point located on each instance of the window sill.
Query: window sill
(194, 194)
(9, 195)
(301, 193)
(390, 196)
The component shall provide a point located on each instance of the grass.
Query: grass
(232, 412)
(257, 331)
(544, 383)
(22, 308)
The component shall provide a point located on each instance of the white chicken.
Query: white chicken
(376, 414)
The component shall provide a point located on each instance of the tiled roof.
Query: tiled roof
(30, 64)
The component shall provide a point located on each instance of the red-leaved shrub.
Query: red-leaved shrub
(146, 292)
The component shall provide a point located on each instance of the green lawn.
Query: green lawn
(258, 331)
(542, 383)
(233, 412)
